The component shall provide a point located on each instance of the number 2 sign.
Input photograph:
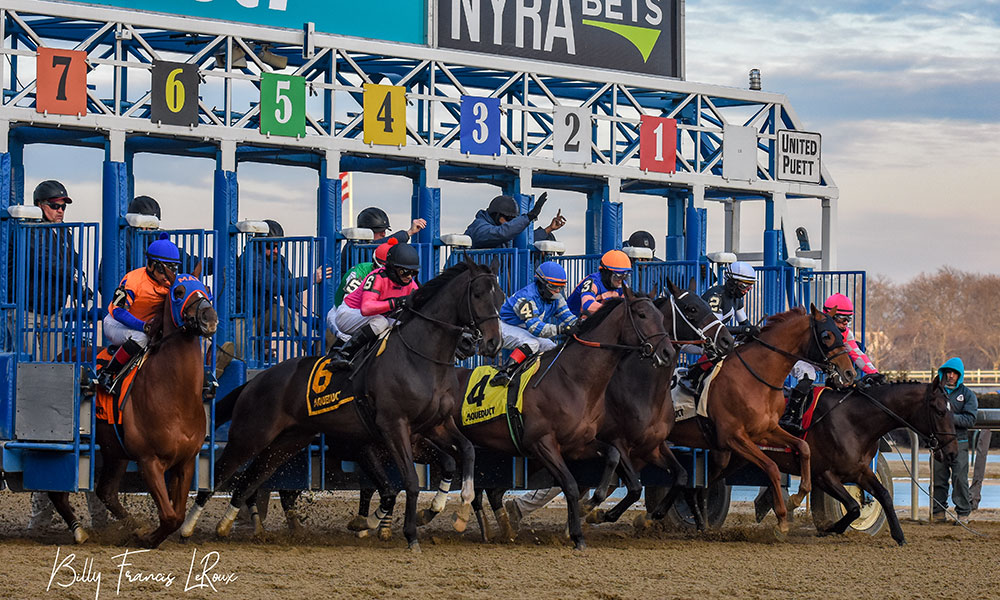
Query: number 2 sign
(282, 104)
(385, 114)
(658, 144)
(480, 125)
(62, 81)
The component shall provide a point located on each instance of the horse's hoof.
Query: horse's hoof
(358, 523)
(459, 523)
(80, 535)
(415, 547)
(507, 532)
(295, 525)
(901, 541)
(224, 528)
(580, 545)
(385, 533)
(363, 533)
(425, 516)
(642, 521)
(781, 533)
(795, 500)
(597, 516)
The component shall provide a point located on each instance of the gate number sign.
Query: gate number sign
(174, 93)
(480, 125)
(658, 144)
(571, 134)
(282, 104)
(385, 114)
(62, 81)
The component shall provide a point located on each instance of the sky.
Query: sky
(905, 95)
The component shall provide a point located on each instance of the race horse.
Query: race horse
(745, 401)
(844, 436)
(402, 391)
(564, 402)
(162, 417)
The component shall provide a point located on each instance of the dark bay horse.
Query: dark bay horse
(745, 400)
(564, 412)
(163, 419)
(845, 433)
(408, 387)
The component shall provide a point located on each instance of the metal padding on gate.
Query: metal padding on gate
(45, 400)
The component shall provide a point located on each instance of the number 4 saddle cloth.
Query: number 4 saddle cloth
(484, 402)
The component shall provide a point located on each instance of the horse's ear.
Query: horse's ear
(178, 292)
(629, 296)
(672, 288)
(693, 284)
(495, 265)
(196, 272)
(814, 311)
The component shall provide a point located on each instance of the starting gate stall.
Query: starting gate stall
(650, 276)
(577, 267)
(515, 264)
(49, 357)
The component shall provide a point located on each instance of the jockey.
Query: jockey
(362, 315)
(597, 287)
(840, 308)
(136, 307)
(726, 301)
(532, 316)
(356, 275)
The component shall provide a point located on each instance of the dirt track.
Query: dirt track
(742, 560)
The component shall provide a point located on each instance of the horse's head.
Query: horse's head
(191, 306)
(643, 329)
(827, 348)
(939, 422)
(482, 308)
(690, 318)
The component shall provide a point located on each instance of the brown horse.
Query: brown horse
(163, 418)
(845, 433)
(407, 385)
(564, 405)
(745, 400)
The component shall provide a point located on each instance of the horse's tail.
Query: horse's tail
(224, 408)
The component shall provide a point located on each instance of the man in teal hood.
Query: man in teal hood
(963, 408)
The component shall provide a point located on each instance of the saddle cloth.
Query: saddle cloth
(810, 411)
(484, 402)
(108, 408)
(685, 404)
(322, 394)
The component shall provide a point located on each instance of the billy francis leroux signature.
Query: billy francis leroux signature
(69, 570)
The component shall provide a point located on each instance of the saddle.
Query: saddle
(483, 402)
(688, 405)
(108, 408)
(801, 429)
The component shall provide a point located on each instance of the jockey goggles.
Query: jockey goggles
(744, 286)
(407, 272)
(164, 266)
(843, 319)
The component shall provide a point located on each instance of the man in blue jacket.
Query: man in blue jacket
(501, 222)
(963, 408)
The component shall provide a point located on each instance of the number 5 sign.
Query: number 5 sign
(174, 93)
(480, 125)
(283, 104)
(658, 144)
(385, 115)
(62, 81)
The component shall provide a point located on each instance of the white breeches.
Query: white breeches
(116, 333)
(514, 336)
(349, 320)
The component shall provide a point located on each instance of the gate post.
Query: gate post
(611, 215)
(426, 204)
(694, 239)
(114, 204)
(675, 225)
(329, 218)
(224, 218)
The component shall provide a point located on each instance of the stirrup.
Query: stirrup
(501, 379)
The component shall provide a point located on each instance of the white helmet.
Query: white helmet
(741, 271)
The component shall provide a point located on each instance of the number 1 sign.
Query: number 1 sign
(658, 144)
(282, 104)
(62, 81)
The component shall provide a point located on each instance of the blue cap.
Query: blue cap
(164, 250)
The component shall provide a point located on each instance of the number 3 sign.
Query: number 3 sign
(174, 93)
(282, 104)
(62, 81)
(658, 144)
(480, 125)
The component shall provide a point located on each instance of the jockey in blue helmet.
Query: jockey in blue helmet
(532, 316)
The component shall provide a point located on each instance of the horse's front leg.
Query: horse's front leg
(870, 483)
(741, 443)
(612, 455)
(398, 436)
(154, 473)
(782, 437)
(630, 477)
(832, 485)
(547, 451)
(381, 521)
(61, 501)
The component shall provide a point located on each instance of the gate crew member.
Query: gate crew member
(501, 222)
(726, 301)
(362, 315)
(533, 316)
(136, 307)
(597, 287)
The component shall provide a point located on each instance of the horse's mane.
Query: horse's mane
(602, 313)
(427, 291)
(776, 319)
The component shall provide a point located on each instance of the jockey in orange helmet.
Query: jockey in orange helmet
(597, 287)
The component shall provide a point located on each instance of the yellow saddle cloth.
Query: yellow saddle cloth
(484, 402)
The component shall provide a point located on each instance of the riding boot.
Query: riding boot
(340, 356)
(691, 381)
(791, 421)
(109, 378)
(506, 372)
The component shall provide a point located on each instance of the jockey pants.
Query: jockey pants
(116, 333)
(349, 320)
(514, 336)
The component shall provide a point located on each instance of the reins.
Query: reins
(824, 366)
(645, 346)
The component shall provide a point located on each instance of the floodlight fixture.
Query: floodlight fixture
(275, 61)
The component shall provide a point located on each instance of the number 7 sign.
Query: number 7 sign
(61, 81)
(658, 144)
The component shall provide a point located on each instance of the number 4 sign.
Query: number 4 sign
(658, 144)
(62, 81)
(282, 104)
(385, 115)
(480, 125)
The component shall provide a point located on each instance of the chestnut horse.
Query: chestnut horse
(845, 433)
(408, 387)
(163, 417)
(564, 405)
(746, 400)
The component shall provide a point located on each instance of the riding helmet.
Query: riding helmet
(51, 189)
(144, 205)
(373, 218)
(403, 256)
(503, 206)
(163, 250)
(551, 278)
(838, 304)
(383, 251)
(616, 261)
(642, 239)
(741, 271)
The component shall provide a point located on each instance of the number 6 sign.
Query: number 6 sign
(62, 81)
(174, 93)
(283, 104)
(658, 144)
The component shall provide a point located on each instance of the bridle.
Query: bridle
(710, 342)
(645, 347)
(472, 326)
(825, 364)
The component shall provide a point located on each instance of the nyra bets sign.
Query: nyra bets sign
(799, 156)
(624, 35)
